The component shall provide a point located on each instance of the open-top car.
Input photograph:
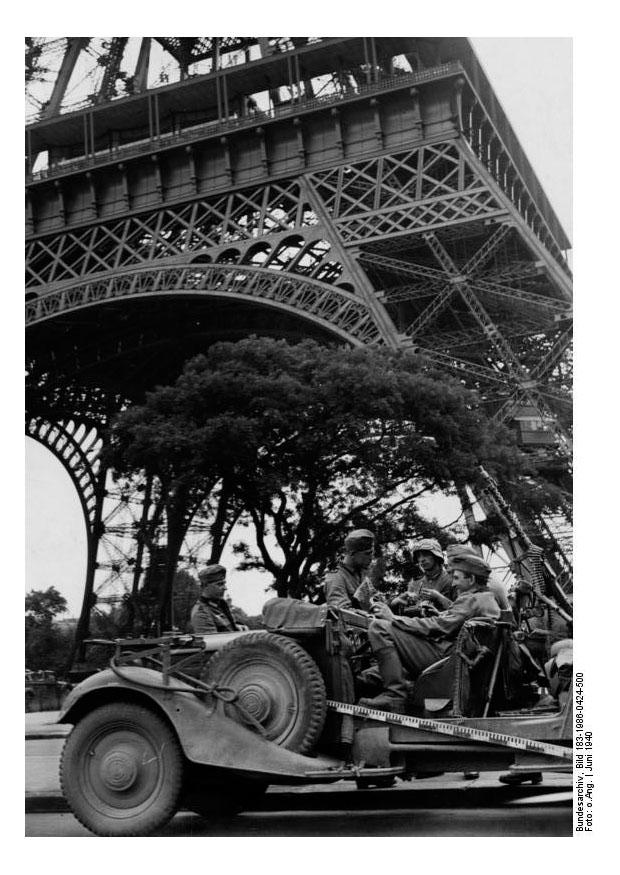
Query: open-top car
(209, 722)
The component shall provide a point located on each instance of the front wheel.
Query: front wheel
(121, 771)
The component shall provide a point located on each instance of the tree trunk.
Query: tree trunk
(176, 532)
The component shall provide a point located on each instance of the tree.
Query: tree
(43, 605)
(308, 442)
(47, 646)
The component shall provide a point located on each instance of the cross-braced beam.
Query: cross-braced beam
(520, 379)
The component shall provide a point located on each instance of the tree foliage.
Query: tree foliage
(47, 645)
(308, 442)
(43, 605)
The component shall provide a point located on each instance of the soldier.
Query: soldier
(414, 643)
(211, 612)
(435, 585)
(344, 588)
(494, 584)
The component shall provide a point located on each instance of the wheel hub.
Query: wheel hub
(257, 701)
(119, 770)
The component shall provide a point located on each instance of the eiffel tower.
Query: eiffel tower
(362, 190)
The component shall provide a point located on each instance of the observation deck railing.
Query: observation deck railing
(526, 202)
(212, 128)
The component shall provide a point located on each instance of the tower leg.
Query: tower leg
(83, 626)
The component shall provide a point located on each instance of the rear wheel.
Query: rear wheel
(122, 770)
(278, 685)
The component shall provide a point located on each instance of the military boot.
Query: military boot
(393, 696)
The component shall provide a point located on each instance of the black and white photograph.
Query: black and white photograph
(299, 438)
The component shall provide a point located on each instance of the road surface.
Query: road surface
(538, 820)
(344, 811)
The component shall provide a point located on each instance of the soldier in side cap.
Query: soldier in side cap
(494, 584)
(211, 612)
(414, 643)
(345, 587)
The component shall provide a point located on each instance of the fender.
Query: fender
(206, 735)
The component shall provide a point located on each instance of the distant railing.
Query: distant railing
(88, 102)
(197, 132)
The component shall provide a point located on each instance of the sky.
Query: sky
(532, 78)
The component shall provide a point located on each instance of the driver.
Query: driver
(211, 612)
(414, 643)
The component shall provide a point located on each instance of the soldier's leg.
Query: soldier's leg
(390, 667)
(417, 653)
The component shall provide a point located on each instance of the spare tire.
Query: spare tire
(277, 683)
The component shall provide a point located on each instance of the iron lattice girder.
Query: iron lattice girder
(77, 448)
(520, 379)
(467, 337)
(438, 187)
(485, 378)
(471, 369)
(407, 207)
(335, 309)
(454, 277)
(539, 372)
(235, 218)
(399, 294)
(481, 124)
(552, 357)
(189, 50)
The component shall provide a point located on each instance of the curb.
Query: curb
(48, 803)
(38, 734)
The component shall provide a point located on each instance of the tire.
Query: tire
(277, 683)
(121, 771)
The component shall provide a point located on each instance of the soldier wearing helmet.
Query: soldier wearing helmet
(435, 585)
(345, 587)
(414, 643)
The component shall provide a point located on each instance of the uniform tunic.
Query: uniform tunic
(344, 588)
(441, 582)
(421, 641)
(211, 615)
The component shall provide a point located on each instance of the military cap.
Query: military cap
(430, 545)
(360, 539)
(211, 573)
(470, 563)
(453, 550)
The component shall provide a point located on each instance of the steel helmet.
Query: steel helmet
(430, 545)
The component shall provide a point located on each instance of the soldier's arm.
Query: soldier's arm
(336, 594)
(446, 623)
(440, 600)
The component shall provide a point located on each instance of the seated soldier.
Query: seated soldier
(435, 585)
(211, 612)
(345, 587)
(414, 643)
(494, 584)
